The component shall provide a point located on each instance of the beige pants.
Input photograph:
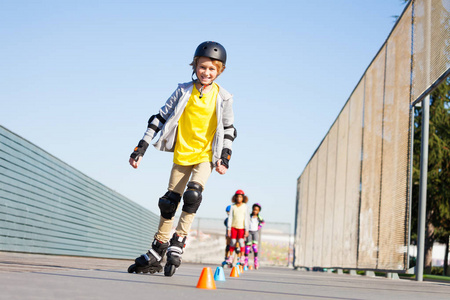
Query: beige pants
(179, 178)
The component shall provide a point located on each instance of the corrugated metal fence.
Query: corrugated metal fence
(353, 195)
(48, 207)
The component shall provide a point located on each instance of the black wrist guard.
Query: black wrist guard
(225, 157)
(139, 150)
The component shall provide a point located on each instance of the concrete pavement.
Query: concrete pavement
(30, 276)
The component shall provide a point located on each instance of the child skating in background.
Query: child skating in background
(196, 123)
(227, 238)
(238, 224)
(256, 222)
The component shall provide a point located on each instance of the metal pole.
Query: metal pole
(423, 189)
(408, 254)
(424, 153)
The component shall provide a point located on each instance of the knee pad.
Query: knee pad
(168, 204)
(255, 248)
(233, 242)
(247, 250)
(241, 243)
(192, 197)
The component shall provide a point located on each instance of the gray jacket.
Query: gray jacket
(169, 114)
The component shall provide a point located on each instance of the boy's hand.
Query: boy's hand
(246, 234)
(229, 233)
(220, 168)
(135, 163)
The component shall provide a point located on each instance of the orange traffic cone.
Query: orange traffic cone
(234, 272)
(241, 269)
(250, 267)
(206, 280)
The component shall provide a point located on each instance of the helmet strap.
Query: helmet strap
(201, 91)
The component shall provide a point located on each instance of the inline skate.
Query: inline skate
(150, 262)
(176, 248)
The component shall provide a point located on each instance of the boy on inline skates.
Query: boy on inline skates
(196, 123)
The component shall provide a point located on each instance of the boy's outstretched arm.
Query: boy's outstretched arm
(230, 134)
(155, 124)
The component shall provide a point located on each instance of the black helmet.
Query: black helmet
(212, 50)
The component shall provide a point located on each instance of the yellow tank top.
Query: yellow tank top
(196, 128)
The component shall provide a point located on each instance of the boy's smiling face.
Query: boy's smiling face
(206, 71)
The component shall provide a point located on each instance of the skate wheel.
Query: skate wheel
(132, 268)
(169, 270)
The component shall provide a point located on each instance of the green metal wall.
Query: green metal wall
(46, 206)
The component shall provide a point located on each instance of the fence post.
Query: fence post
(423, 189)
(424, 152)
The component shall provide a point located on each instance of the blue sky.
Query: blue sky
(81, 78)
